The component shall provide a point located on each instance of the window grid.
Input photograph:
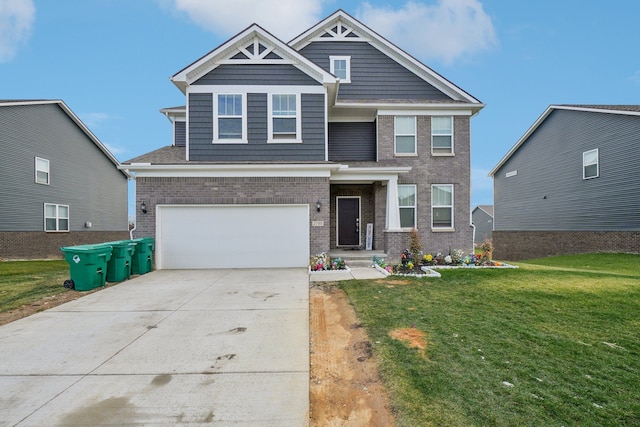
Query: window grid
(285, 113)
(230, 117)
(340, 66)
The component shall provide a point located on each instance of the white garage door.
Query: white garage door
(232, 236)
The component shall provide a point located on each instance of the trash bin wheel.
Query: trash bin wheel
(69, 284)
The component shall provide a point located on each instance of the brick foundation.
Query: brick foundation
(42, 245)
(519, 245)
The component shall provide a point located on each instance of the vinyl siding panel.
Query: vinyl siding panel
(352, 141)
(256, 74)
(373, 74)
(257, 149)
(180, 134)
(81, 176)
(548, 192)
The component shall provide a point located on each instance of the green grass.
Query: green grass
(23, 282)
(563, 331)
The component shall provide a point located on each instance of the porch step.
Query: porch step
(356, 258)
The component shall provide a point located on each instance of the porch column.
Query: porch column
(393, 210)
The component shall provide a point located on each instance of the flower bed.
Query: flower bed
(322, 263)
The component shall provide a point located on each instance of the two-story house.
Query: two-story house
(285, 150)
(569, 184)
(59, 185)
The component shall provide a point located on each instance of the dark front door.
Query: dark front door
(348, 221)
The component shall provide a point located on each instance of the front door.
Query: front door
(348, 221)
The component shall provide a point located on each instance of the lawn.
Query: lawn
(23, 282)
(556, 342)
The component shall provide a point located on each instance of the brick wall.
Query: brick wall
(42, 245)
(236, 191)
(519, 245)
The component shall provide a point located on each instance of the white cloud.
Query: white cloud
(446, 30)
(16, 21)
(94, 119)
(283, 18)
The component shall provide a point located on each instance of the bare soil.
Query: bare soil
(345, 389)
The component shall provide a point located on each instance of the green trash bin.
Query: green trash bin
(87, 265)
(142, 259)
(119, 266)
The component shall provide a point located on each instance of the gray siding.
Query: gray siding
(256, 74)
(180, 134)
(548, 192)
(352, 141)
(373, 74)
(201, 147)
(484, 225)
(81, 176)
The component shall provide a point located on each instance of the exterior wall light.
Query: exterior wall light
(318, 206)
(143, 207)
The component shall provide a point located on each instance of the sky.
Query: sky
(110, 60)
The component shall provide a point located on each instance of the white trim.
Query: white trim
(344, 174)
(414, 134)
(243, 117)
(338, 221)
(347, 60)
(429, 110)
(270, 118)
(233, 170)
(597, 163)
(57, 218)
(414, 207)
(452, 227)
(36, 170)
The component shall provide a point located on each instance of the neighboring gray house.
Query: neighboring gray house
(59, 185)
(571, 184)
(482, 219)
(286, 150)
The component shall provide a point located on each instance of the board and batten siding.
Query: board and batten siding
(545, 190)
(81, 176)
(352, 141)
(202, 148)
(374, 75)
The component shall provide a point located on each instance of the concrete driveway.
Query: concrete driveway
(222, 347)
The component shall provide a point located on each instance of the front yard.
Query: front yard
(555, 342)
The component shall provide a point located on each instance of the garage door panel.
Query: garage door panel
(233, 236)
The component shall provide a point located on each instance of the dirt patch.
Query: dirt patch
(345, 389)
(413, 337)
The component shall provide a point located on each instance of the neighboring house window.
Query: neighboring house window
(341, 68)
(590, 162)
(405, 134)
(284, 123)
(56, 217)
(230, 118)
(42, 171)
(442, 206)
(407, 204)
(442, 135)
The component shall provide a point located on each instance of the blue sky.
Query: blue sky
(110, 60)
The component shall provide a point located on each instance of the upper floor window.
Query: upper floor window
(341, 68)
(284, 124)
(56, 217)
(442, 206)
(407, 204)
(442, 135)
(405, 135)
(590, 164)
(42, 171)
(231, 123)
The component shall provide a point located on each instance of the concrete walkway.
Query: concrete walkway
(355, 273)
(225, 347)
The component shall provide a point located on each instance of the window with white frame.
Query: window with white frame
(284, 120)
(56, 217)
(341, 68)
(590, 164)
(407, 204)
(442, 135)
(442, 206)
(230, 118)
(42, 171)
(405, 135)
